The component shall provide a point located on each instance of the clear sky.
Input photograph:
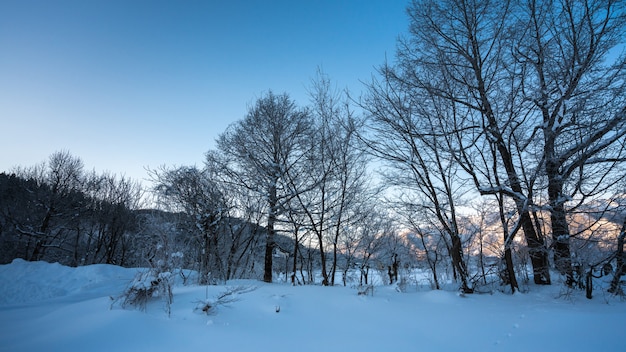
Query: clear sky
(130, 84)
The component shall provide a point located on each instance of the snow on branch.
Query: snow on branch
(501, 190)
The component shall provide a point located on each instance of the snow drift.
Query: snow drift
(49, 307)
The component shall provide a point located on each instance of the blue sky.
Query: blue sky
(126, 85)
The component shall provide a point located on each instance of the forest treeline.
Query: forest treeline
(490, 151)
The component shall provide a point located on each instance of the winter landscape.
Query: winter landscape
(466, 193)
(50, 307)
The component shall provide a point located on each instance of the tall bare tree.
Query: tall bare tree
(578, 98)
(333, 179)
(411, 138)
(533, 103)
(263, 147)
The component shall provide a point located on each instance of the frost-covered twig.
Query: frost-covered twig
(208, 306)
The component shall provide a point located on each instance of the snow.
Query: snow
(50, 307)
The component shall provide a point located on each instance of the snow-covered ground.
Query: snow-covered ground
(49, 307)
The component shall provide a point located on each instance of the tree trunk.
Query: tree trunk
(459, 264)
(333, 269)
(536, 246)
(294, 268)
(510, 270)
(269, 250)
(325, 280)
(269, 244)
(204, 260)
(537, 251)
(560, 238)
(558, 222)
(620, 268)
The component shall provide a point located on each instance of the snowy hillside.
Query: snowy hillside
(49, 307)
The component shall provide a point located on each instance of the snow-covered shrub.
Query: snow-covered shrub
(230, 295)
(365, 290)
(156, 282)
(141, 290)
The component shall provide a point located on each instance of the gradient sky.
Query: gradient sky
(130, 84)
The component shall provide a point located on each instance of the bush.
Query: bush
(230, 295)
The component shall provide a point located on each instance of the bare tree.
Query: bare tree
(578, 102)
(454, 58)
(196, 194)
(60, 213)
(370, 245)
(335, 187)
(56, 213)
(410, 138)
(534, 109)
(241, 229)
(19, 209)
(432, 246)
(620, 267)
(109, 219)
(263, 148)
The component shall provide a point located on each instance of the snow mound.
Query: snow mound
(50, 307)
(23, 282)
